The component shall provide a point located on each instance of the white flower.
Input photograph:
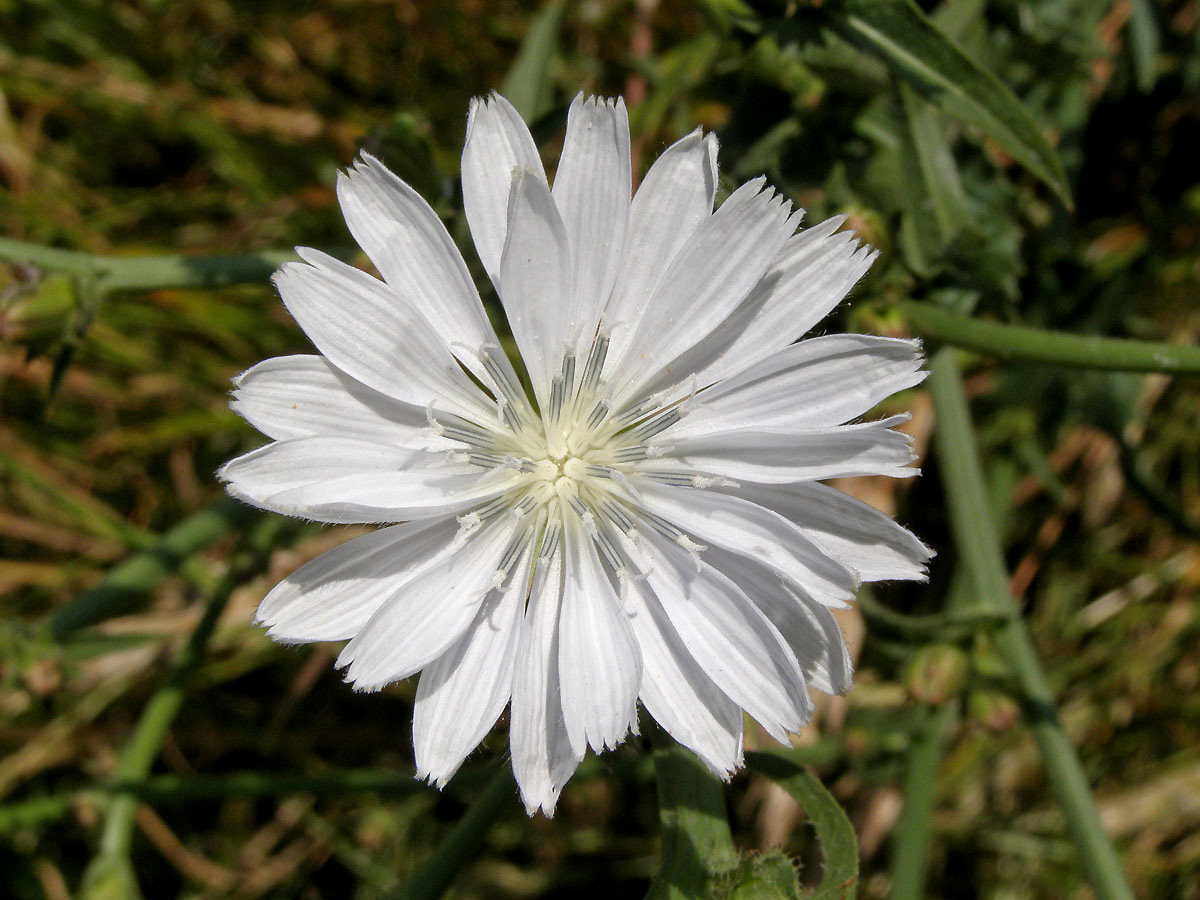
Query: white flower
(653, 527)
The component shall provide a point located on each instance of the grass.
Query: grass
(186, 130)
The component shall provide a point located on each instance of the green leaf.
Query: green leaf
(834, 831)
(899, 34)
(764, 876)
(1144, 41)
(697, 847)
(929, 154)
(527, 84)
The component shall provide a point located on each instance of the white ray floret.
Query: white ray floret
(647, 522)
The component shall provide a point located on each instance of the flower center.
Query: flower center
(573, 458)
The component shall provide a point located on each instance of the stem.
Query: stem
(913, 834)
(141, 573)
(977, 543)
(696, 841)
(1024, 344)
(463, 843)
(51, 258)
(116, 839)
(144, 273)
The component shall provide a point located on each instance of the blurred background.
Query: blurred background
(149, 128)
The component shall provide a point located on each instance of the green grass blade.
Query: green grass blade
(899, 34)
(1144, 43)
(135, 578)
(111, 870)
(527, 85)
(934, 165)
(914, 829)
(978, 545)
(462, 844)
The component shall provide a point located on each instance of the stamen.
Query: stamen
(631, 454)
(595, 362)
(616, 514)
(466, 437)
(598, 414)
(661, 525)
(485, 460)
(512, 553)
(433, 423)
(657, 425)
(511, 392)
(693, 550)
(557, 389)
(677, 479)
(522, 509)
(608, 551)
(633, 413)
(568, 374)
(549, 541)
(703, 482)
(489, 509)
(507, 415)
(519, 463)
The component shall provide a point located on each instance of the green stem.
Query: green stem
(164, 790)
(1021, 343)
(979, 546)
(148, 273)
(943, 625)
(116, 839)
(135, 578)
(696, 841)
(144, 273)
(463, 843)
(914, 832)
(70, 261)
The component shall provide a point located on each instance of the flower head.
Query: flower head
(651, 524)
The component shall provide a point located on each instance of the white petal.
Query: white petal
(347, 480)
(675, 690)
(591, 189)
(462, 692)
(819, 382)
(498, 145)
(420, 622)
(782, 455)
(542, 757)
(599, 665)
(859, 535)
(718, 266)
(755, 531)
(413, 252)
(534, 280)
(301, 396)
(374, 335)
(726, 634)
(812, 274)
(808, 626)
(673, 199)
(332, 597)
